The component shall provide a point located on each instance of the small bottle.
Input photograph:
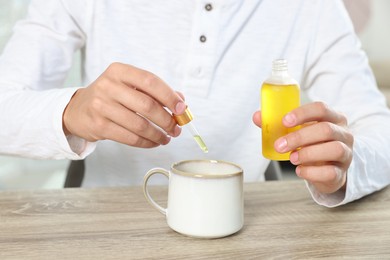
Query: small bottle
(185, 120)
(280, 94)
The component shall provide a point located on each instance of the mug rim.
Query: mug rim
(208, 175)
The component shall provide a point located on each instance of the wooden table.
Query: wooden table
(281, 222)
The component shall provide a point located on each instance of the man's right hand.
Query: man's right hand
(127, 105)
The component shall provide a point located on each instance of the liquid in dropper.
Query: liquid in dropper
(184, 120)
(201, 143)
(197, 137)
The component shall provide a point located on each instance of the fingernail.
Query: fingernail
(289, 118)
(298, 171)
(167, 140)
(180, 108)
(294, 158)
(281, 145)
(176, 131)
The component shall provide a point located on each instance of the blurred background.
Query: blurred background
(372, 24)
(21, 173)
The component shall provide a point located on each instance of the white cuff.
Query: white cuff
(80, 146)
(329, 200)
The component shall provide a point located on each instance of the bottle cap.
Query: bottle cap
(279, 65)
(184, 118)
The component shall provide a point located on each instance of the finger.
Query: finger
(181, 95)
(257, 118)
(316, 111)
(119, 134)
(326, 178)
(312, 134)
(335, 152)
(137, 124)
(147, 107)
(150, 84)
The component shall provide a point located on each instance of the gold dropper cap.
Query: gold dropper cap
(184, 118)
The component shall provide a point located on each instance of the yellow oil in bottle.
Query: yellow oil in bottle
(277, 99)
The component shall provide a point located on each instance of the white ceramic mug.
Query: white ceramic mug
(205, 197)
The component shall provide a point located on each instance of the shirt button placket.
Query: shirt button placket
(208, 8)
(202, 51)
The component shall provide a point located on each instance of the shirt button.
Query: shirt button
(197, 72)
(202, 38)
(208, 7)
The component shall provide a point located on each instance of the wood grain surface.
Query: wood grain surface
(281, 222)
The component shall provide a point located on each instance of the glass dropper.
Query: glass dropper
(184, 120)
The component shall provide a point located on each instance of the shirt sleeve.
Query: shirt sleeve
(339, 74)
(33, 68)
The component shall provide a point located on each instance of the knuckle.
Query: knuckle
(171, 95)
(169, 124)
(147, 104)
(166, 123)
(328, 130)
(350, 139)
(141, 125)
(98, 129)
(340, 150)
(101, 85)
(114, 66)
(134, 140)
(162, 138)
(331, 174)
(321, 107)
(114, 71)
(100, 123)
(97, 105)
(150, 80)
(343, 119)
(347, 137)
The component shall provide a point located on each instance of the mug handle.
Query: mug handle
(146, 191)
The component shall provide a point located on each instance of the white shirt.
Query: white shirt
(220, 79)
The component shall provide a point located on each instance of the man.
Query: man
(144, 61)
